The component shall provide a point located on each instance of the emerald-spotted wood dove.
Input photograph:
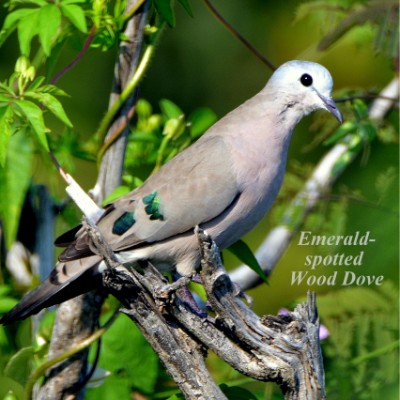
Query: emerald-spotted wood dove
(225, 183)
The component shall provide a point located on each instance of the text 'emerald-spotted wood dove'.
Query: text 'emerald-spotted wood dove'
(225, 183)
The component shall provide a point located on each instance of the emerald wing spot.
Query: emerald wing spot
(123, 223)
(152, 208)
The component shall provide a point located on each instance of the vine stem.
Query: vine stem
(236, 34)
(132, 84)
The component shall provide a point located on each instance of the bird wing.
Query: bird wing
(193, 188)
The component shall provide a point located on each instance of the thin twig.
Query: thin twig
(235, 33)
(126, 93)
(85, 48)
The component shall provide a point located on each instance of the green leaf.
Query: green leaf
(201, 119)
(344, 129)
(130, 359)
(17, 367)
(52, 104)
(116, 194)
(36, 83)
(166, 11)
(5, 100)
(52, 89)
(245, 255)
(5, 131)
(186, 5)
(10, 389)
(169, 109)
(49, 21)
(39, 3)
(360, 109)
(237, 393)
(27, 29)
(14, 182)
(6, 304)
(4, 290)
(72, 1)
(35, 117)
(76, 15)
(15, 16)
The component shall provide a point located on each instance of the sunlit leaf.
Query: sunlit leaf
(72, 1)
(170, 109)
(27, 29)
(4, 100)
(52, 89)
(343, 130)
(201, 119)
(116, 194)
(76, 15)
(12, 389)
(35, 117)
(360, 109)
(51, 103)
(7, 303)
(15, 16)
(49, 21)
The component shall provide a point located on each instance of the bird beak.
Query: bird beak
(331, 107)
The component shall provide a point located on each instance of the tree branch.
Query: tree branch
(282, 349)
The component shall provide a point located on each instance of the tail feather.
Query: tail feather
(59, 287)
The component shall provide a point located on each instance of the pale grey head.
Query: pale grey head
(310, 83)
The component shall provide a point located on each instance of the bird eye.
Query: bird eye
(306, 80)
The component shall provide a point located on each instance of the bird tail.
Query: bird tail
(67, 280)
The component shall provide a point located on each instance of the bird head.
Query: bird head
(307, 82)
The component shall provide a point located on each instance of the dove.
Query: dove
(224, 183)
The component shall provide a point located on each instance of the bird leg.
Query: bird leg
(209, 250)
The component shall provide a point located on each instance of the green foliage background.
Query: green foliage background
(204, 72)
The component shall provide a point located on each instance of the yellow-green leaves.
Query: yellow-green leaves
(23, 102)
(157, 137)
(74, 13)
(51, 103)
(34, 116)
(46, 20)
(49, 20)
